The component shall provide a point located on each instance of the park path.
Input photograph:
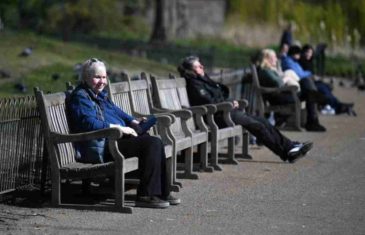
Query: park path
(323, 193)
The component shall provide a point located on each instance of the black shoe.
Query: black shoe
(346, 108)
(299, 151)
(151, 202)
(306, 147)
(315, 127)
(350, 110)
(172, 200)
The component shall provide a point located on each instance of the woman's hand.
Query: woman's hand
(236, 104)
(125, 130)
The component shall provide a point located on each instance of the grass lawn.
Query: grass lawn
(52, 56)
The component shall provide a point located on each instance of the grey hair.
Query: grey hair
(188, 62)
(89, 67)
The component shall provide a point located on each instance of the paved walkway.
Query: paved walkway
(323, 193)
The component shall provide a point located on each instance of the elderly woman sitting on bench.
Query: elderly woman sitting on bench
(89, 108)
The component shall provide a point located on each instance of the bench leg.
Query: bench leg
(231, 159)
(56, 189)
(119, 187)
(203, 153)
(214, 152)
(170, 175)
(245, 143)
(188, 154)
(175, 183)
(44, 168)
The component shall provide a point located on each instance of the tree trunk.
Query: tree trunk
(159, 31)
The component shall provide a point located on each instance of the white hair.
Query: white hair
(89, 68)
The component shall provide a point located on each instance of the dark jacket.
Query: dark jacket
(306, 64)
(88, 112)
(83, 106)
(269, 78)
(203, 90)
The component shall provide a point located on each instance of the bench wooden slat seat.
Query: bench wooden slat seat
(59, 142)
(120, 94)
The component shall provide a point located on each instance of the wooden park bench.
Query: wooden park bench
(167, 96)
(120, 94)
(59, 141)
(218, 134)
(180, 133)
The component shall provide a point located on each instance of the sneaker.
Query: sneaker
(324, 111)
(328, 110)
(172, 200)
(151, 202)
(299, 151)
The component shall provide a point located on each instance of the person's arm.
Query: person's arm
(301, 72)
(288, 63)
(126, 117)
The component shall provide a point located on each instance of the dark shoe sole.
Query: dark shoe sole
(152, 205)
(315, 128)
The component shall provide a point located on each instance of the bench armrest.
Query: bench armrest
(211, 108)
(224, 106)
(111, 133)
(243, 103)
(198, 113)
(163, 114)
(197, 109)
(278, 89)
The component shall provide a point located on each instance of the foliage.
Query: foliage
(67, 17)
(328, 20)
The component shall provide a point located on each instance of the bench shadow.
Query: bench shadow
(261, 161)
(71, 193)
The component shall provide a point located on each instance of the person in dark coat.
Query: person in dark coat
(286, 39)
(202, 90)
(306, 60)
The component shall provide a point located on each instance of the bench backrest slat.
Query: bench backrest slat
(168, 98)
(54, 119)
(181, 89)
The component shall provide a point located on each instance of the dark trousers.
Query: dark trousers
(279, 98)
(327, 92)
(151, 163)
(265, 133)
(307, 87)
